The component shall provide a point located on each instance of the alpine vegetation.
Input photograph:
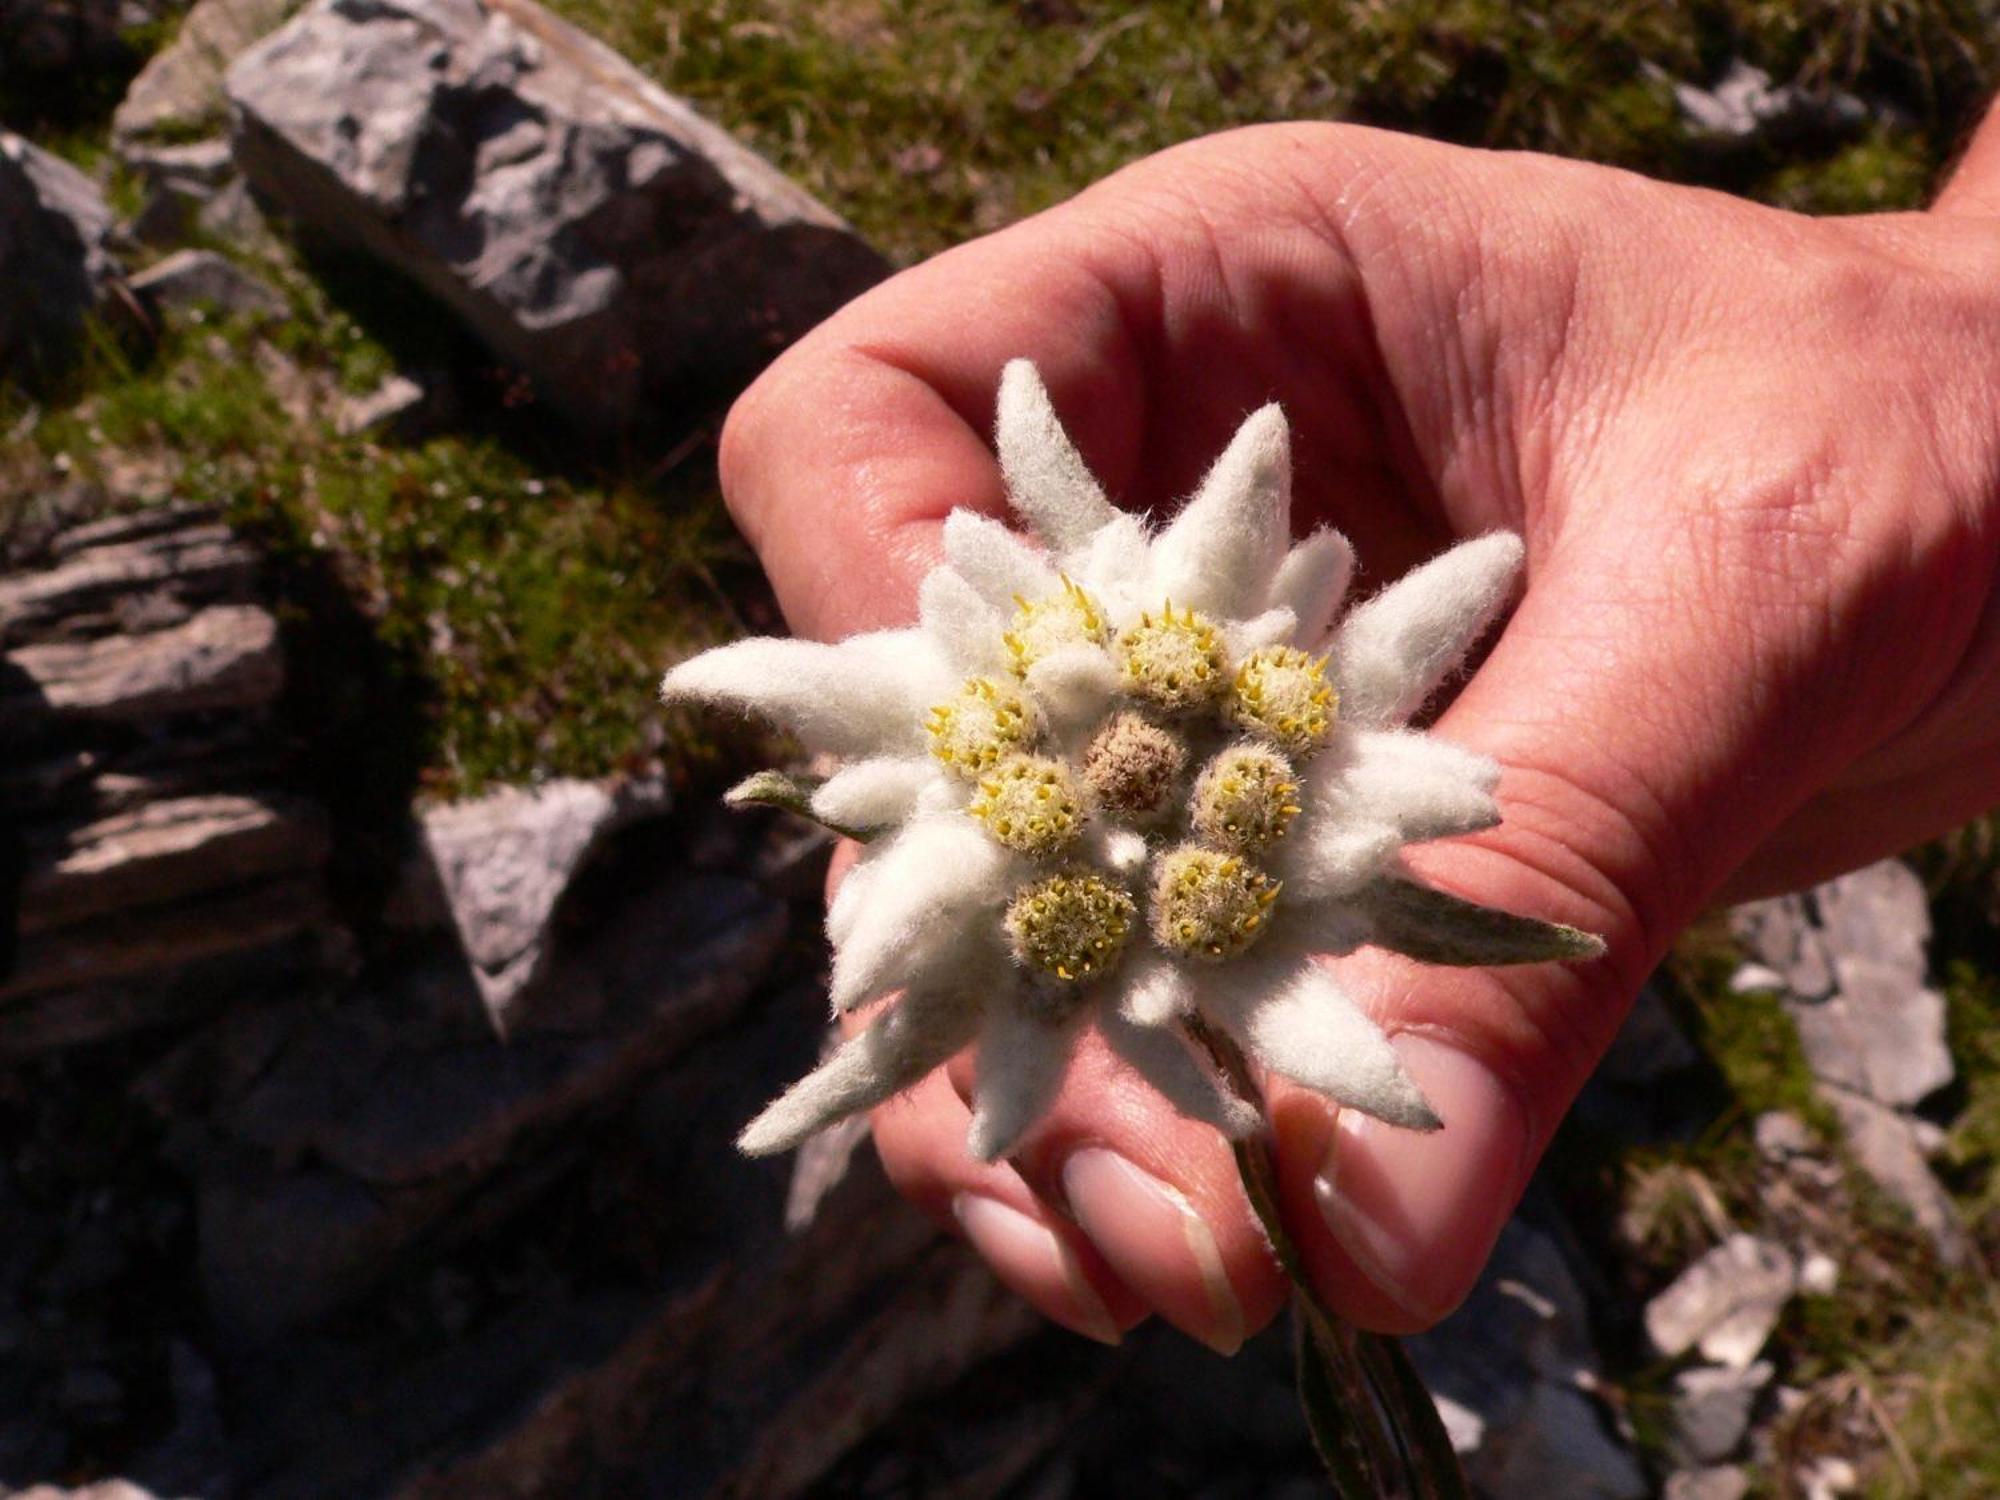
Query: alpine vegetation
(1124, 779)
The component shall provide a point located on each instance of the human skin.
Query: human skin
(1756, 460)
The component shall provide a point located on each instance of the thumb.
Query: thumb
(1612, 821)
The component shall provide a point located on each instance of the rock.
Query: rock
(1819, 1274)
(1517, 1364)
(1877, 1035)
(1711, 1411)
(56, 266)
(190, 280)
(591, 228)
(1827, 1478)
(1649, 1045)
(179, 91)
(1726, 1303)
(1885, 1144)
(1785, 941)
(380, 1134)
(170, 209)
(392, 406)
(1725, 1482)
(1744, 104)
(204, 164)
(129, 575)
(1879, 913)
(503, 862)
(225, 657)
(1781, 1135)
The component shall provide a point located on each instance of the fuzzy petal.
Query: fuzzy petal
(1046, 477)
(998, 564)
(861, 697)
(1221, 551)
(915, 1035)
(1022, 1060)
(1425, 787)
(1164, 1060)
(1326, 856)
(876, 792)
(1392, 652)
(1304, 1027)
(955, 615)
(1311, 582)
(934, 884)
(1113, 566)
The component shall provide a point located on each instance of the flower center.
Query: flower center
(1283, 693)
(1068, 618)
(1208, 905)
(1245, 799)
(1071, 926)
(1030, 803)
(1132, 765)
(980, 726)
(1175, 661)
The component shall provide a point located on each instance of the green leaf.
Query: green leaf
(1437, 928)
(794, 795)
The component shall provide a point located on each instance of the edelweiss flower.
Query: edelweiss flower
(1129, 778)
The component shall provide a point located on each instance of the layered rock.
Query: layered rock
(56, 265)
(596, 232)
(156, 837)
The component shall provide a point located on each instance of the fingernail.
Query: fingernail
(1418, 1212)
(1156, 1242)
(1032, 1259)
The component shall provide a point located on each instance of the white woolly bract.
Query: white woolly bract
(998, 564)
(1304, 1027)
(925, 892)
(1311, 582)
(1022, 1060)
(861, 697)
(1219, 553)
(1392, 652)
(919, 1032)
(1420, 787)
(1074, 686)
(875, 793)
(967, 629)
(1046, 477)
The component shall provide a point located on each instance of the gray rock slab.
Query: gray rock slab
(190, 280)
(225, 657)
(504, 861)
(179, 91)
(391, 405)
(1878, 1034)
(126, 584)
(1711, 1411)
(1726, 1303)
(1879, 913)
(56, 264)
(1887, 1145)
(1782, 937)
(597, 233)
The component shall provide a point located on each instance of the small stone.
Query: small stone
(1819, 1274)
(1885, 1145)
(391, 406)
(1781, 1135)
(1726, 1303)
(1724, 1482)
(1752, 979)
(190, 279)
(1711, 1410)
(1827, 1478)
(55, 263)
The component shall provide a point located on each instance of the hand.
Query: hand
(1754, 457)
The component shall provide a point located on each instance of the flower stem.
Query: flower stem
(1373, 1423)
